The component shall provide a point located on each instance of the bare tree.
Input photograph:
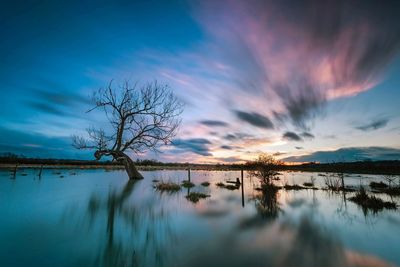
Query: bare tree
(265, 168)
(141, 118)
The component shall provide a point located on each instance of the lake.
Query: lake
(99, 218)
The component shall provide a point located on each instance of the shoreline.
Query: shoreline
(316, 168)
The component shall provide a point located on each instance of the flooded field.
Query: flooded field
(99, 218)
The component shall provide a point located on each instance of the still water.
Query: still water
(99, 218)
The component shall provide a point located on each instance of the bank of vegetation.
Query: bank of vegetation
(360, 167)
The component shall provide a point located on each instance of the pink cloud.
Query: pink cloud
(303, 51)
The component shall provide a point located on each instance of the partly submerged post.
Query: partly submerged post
(189, 174)
(15, 170)
(342, 178)
(241, 174)
(341, 175)
(40, 172)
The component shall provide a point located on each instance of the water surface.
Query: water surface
(99, 218)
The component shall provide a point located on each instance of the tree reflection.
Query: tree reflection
(267, 202)
(267, 207)
(136, 233)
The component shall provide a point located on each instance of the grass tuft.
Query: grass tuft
(394, 191)
(371, 202)
(380, 185)
(293, 187)
(167, 187)
(205, 184)
(232, 187)
(220, 184)
(187, 184)
(195, 196)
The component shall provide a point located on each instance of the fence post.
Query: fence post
(15, 170)
(40, 172)
(241, 174)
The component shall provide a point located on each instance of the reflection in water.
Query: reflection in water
(111, 222)
(145, 239)
(310, 245)
(286, 243)
(267, 202)
(267, 207)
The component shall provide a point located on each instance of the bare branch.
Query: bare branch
(142, 118)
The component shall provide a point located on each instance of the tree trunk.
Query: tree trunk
(119, 156)
(130, 168)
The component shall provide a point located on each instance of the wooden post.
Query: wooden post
(343, 189)
(241, 174)
(40, 172)
(15, 171)
(188, 190)
(342, 178)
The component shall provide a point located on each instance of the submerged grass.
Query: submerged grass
(195, 196)
(380, 185)
(205, 184)
(270, 188)
(187, 184)
(293, 187)
(395, 191)
(232, 187)
(167, 187)
(371, 202)
(220, 184)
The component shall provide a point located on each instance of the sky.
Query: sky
(302, 80)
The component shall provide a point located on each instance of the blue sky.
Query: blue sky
(287, 78)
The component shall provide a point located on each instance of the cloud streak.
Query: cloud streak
(215, 123)
(302, 53)
(291, 136)
(196, 145)
(375, 125)
(349, 154)
(254, 119)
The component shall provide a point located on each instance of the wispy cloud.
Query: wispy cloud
(302, 53)
(277, 154)
(215, 123)
(38, 145)
(55, 99)
(349, 154)
(291, 136)
(196, 145)
(374, 125)
(47, 108)
(254, 119)
(307, 135)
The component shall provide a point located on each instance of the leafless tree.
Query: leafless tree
(141, 118)
(265, 168)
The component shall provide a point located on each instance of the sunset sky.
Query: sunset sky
(303, 80)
